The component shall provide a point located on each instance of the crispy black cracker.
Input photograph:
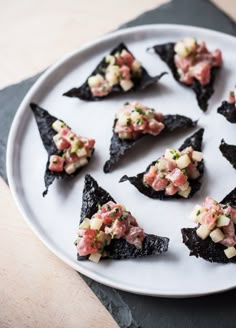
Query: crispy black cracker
(118, 249)
(228, 110)
(203, 93)
(207, 249)
(196, 142)
(140, 83)
(44, 122)
(119, 147)
(229, 152)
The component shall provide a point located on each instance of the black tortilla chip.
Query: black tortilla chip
(229, 152)
(140, 83)
(196, 142)
(228, 110)
(44, 122)
(119, 147)
(207, 249)
(203, 92)
(118, 249)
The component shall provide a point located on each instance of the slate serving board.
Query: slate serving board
(130, 310)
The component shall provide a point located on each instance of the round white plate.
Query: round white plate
(55, 218)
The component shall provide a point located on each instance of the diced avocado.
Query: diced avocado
(203, 231)
(222, 221)
(217, 235)
(230, 252)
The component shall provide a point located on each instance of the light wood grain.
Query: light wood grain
(36, 289)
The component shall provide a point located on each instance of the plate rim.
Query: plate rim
(10, 147)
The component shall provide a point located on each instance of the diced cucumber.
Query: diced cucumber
(230, 252)
(70, 168)
(217, 235)
(95, 257)
(197, 156)
(126, 84)
(58, 125)
(203, 231)
(183, 161)
(185, 193)
(195, 215)
(85, 224)
(96, 223)
(222, 221)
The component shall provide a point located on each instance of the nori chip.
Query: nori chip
(44, 122)
(140, 82)
(196, 142)
(119, 147)
(228, 110)
(207, 249)
(94, 195)
(203, 92)
(229, 152)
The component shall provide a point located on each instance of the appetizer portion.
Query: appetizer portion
(133, 121)
(214, 238)
(229, 152)
(228, 108)
(108, 230)
(192, 65)
(177, 174)
(118, 72)
(68, 153)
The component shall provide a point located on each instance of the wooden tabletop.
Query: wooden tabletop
(36, 288)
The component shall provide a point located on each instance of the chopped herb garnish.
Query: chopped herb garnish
(139, 121)
(99, 206)
(92, 244)
(108, 207)
(228, 215)
(168, 183)
(72, 138)
(162, 176)
(76, 242)
(231, 93)
(120, 218)
(55, 161)
(128, 123)
(198, 212)
(126, 103)
(139, 110)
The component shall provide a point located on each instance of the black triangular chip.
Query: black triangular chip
(119, 147)
(137, 181)
(229, 152)
(207, 249)
(143, 81)
(203, 93)
(118, 249)
(228, 110)
(44, 122)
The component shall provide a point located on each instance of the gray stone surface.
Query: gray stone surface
(129, 310)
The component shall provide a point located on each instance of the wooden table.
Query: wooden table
(36, 288)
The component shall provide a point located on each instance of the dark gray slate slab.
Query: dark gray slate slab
(129, 310)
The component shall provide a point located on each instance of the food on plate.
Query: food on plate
(192, 65)
(228, 108)
(214, 238)
(177, 174)
(68, 152)
(117, 73)
(108, 230)
(229, 152)
(134, 121)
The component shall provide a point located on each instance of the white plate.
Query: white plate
(55, 218)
